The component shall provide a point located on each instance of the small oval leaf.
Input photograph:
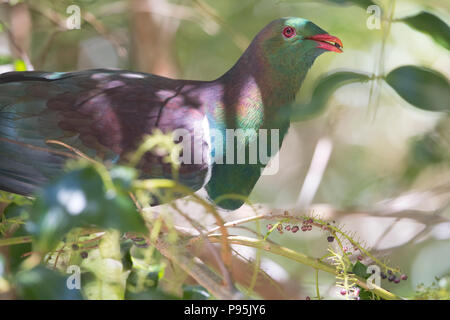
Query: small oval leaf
(424, 88)
(431, 25)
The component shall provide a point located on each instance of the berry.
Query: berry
(280, 227)
(269, 226)
(343, 292)
(397, 280)
(360, 258)
(75, 247)
(288, 227)
(307, 298)
(389, 271)
(404, 277)
(391, 278)
(383, 275)
(84, 254)
(330, 238)
(295, 229)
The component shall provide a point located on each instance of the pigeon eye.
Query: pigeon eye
(288, 32)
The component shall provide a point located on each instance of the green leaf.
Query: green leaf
(41, 283)
(80, 198)
(360, 270)
(431, 25)
(424, 88)
(195, 293)
(323, 90)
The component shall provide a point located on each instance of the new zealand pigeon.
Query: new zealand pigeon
(106, 113)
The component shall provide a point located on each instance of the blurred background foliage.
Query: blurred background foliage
(382, 107)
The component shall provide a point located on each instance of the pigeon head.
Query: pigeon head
(292, 44)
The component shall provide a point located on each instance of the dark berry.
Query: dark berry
(295, 229)
(75, 247)
(404, 277)
(360, 258)
(383, 275)
(397, 280)
(391, 278)
(308, 298)
(343, 292)
(84, 254)
(330, 238)
(389, 271)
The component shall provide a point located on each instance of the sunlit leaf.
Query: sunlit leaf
(105, 277)
(424, 88)
(19, 65)
(323, 90)
(431, 25)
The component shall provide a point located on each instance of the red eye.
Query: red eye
(288, 32)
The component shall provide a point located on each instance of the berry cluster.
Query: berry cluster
(306, 226)
(354, 292)
(392, 277)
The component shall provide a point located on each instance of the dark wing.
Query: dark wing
(103, 113)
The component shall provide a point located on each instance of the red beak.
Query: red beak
(327, 42)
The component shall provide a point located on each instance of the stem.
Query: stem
(303, 259)
(379, 68)
(16, 240)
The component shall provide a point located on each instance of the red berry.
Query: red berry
(308, 298)
(360, 258)
(404, 277)
(288, 227)
(295, 229)
(269, 226)
(343, 292)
